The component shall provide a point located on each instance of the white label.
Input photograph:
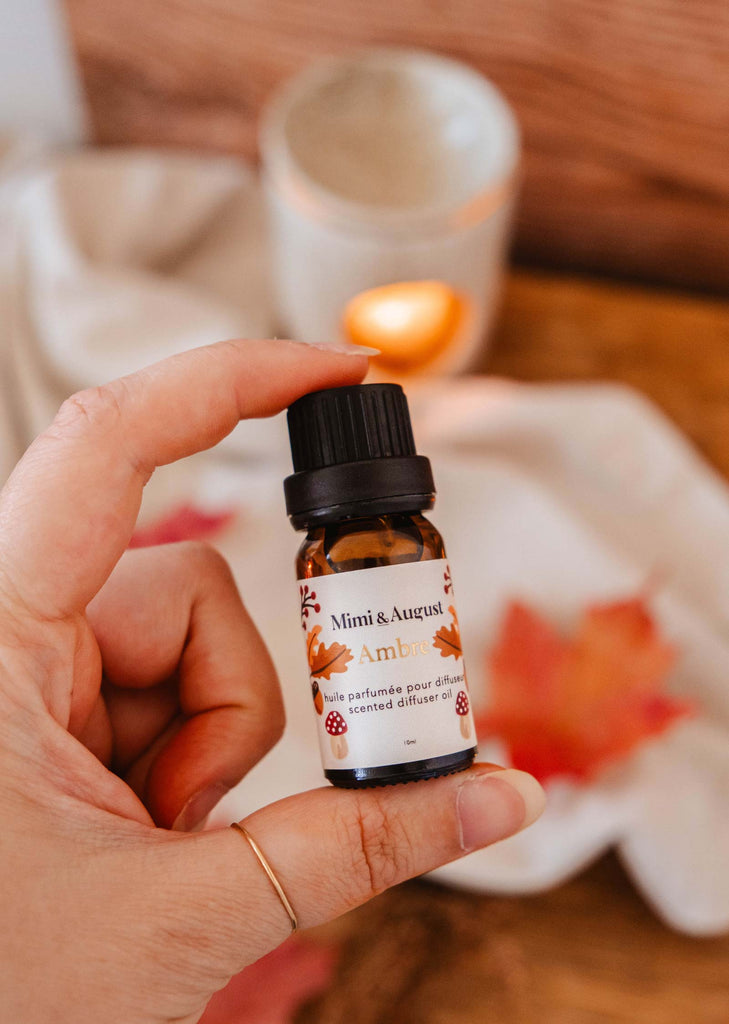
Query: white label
(386, 666)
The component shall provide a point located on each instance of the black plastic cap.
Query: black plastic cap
(354, 455)
(354, 424)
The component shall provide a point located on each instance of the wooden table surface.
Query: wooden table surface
(590, 952)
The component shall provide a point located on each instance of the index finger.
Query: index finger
(68, 511)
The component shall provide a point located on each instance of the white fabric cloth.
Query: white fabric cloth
(557, 495)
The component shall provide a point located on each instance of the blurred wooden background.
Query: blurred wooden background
(589, 953)
(624, 104)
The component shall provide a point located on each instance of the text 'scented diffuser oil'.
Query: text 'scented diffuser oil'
(377, 608)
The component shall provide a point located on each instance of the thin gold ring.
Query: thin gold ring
(270, 873)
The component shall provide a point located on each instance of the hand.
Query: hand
(134, 690)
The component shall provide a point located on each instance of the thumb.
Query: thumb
(333, 849)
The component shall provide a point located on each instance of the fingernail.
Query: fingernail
(349, 350)
(198, 807)
(496, 805)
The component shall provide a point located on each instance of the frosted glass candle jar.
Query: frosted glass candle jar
(386, 167)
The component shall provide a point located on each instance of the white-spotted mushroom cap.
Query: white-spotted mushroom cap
(462, 703)
(335, 724)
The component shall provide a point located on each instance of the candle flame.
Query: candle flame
(410, 322)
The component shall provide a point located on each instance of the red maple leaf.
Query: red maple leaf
(271, 990)
(567, 707)
(186, 523)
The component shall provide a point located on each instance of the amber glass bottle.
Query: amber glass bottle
(376, 595)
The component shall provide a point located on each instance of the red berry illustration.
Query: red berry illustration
(462, 707)
(336, 727)
(308, 602)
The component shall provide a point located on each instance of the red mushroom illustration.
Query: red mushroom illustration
(318, 699)
(336, 727)
(462, 708)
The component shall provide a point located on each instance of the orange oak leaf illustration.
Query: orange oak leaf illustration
(448, 638)
(567, 707)
(323, 660)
